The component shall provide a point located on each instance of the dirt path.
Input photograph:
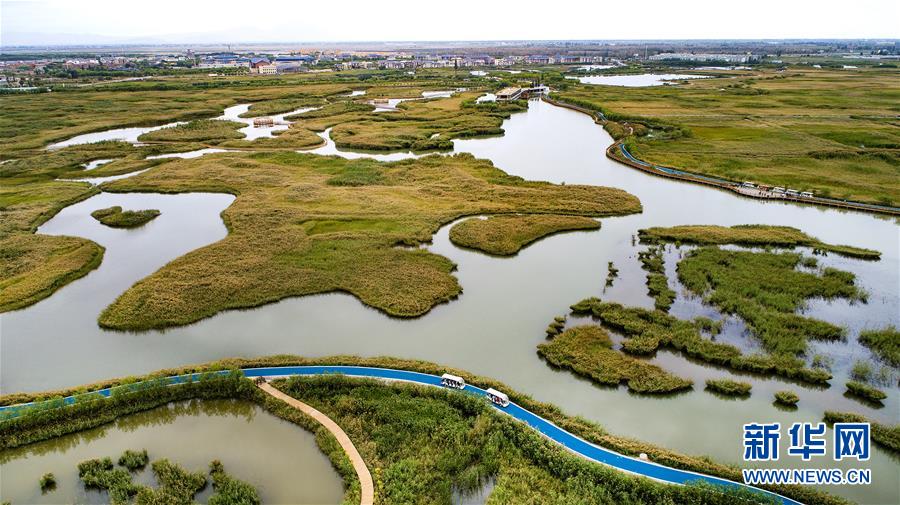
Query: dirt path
(367, 488)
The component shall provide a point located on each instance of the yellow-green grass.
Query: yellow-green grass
(339, 397)
(507, 235)
(887, 436)
(788, 398)
(34, 266)
(295, 137)
(766, 289)
(115, 217)
(588, 352)
(758, 235)
(282, 105)
(884, 342)
(201, 130)
(31, 121)
(419, 125)
(827, 131)
(649, 330)
(305, 224)
(729, 387)
(865, 391)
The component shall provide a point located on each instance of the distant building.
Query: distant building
(729, 58)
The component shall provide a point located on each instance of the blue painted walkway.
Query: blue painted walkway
(546, 428)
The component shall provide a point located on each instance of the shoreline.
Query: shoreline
(617, 152)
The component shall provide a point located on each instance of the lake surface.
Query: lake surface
(634, 81)
(279, 458)
(506, 304)
(124, 134)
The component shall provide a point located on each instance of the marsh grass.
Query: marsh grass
(134, 460)
(507, 235)
(201, 130)
(729, 387)
(788, 398)
(312, 204)
(649, 330)
(587, 351)
(653, 261)
(751, 235)
(813, 129)
(865, 391)
(115, 217)
(765, 289)
(47, 482)
(884, 342)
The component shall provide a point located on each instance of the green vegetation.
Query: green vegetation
(649, 330)
(507, 235)
(46, 420)
(415, 123)
(728, 387)
(751, 235)
(789, 398)
(765, 289)
(47, 482)
(808, 129)
(201, 130)
(657, 282)
(611, 273)
(861, 371)
(588, 351)
(282, 105)
(228, 490)
(134, 460)
(329, 214)
(885, 343)
(115, 217)
(883, 435)
(177, 486)
(556, 327)
(865, 391)
(708, 325)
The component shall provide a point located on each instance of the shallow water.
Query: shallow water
(279, 458)
(252, 132)
(506, 304)
(330, 149)
(124, 134)
(639, 80)
(96, 163)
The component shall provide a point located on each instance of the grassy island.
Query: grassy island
(884, 435)
(729, 387)
(507, 235)
(588, 351)
(751, 235)
(338, 223)
(115, 217)
(202, 130)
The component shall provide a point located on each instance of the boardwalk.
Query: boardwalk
(546, 428)
(367, 487)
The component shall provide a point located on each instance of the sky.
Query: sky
(59, 22)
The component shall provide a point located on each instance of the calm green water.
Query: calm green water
(493, 328)
(280, 459)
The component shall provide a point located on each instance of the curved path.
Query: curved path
(568, 440)
(367, 487)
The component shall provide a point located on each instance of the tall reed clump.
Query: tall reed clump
(653, 262)
(729, 387)
(884, 342)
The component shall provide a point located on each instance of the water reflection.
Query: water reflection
(505, 306)
(279, 458)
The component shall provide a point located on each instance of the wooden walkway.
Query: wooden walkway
(367, 487)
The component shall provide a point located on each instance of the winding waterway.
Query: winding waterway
(493, 328)
(281, 460)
